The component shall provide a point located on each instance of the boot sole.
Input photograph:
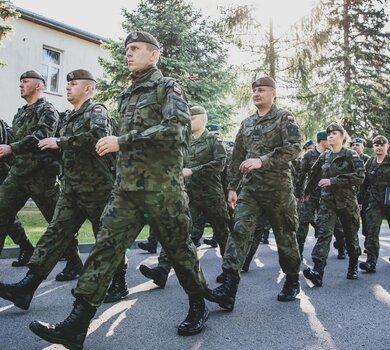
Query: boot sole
(149, 274)
(314, 280)
(228, 305)
(21, 304)
(54, 340)
(122, 296)
(197, 331)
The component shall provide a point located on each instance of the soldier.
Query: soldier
(149, 187)
(265, 144)
(151, 245)
(33, 173)
(376, 186)
(86, 184)
(338, 172)
(308, 145)
(14, 230)
(202, 171)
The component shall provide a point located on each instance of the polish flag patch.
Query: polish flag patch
(177, 90)
(51, 109)
(97, 109)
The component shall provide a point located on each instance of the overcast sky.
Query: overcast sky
(104, 17)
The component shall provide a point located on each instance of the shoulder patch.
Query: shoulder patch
(355, 155)
(219, 139)
(51, 109)
(290, 118)
(97, 109)
(177, 90)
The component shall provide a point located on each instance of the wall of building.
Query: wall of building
(23, 51)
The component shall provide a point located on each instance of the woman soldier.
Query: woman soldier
(338, 172)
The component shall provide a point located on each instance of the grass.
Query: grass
(35, 225)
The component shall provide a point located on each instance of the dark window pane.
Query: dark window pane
(54, 79)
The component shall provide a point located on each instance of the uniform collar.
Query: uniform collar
(269, 115)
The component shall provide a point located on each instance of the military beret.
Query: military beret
(213, 127)
(197, 110)
(357, 140)
(308, 143)
(264, 81)
(334, 127)
(141, 37)
(80, 74)
(380, 140)
(32, 74)
(322, 135)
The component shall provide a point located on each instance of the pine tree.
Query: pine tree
(7, 12)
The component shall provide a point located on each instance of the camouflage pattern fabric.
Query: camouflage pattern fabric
(266, 192)
(155, 129)
(346, 172)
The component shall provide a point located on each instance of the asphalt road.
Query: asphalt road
(342, 314)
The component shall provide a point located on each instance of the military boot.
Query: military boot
(71, 271)
(368, 266)
(225, 294)
(221, 277)
(118, 287)
(196, 318)
(247, 262)
(341, 253)
(72, 331)
(291, 288)
(352, 273)
(300, 247)
(26, 250)
(265, 237)
(21, 293)
(211, 242)
(150, 247)
(157, 274)
(316, 274)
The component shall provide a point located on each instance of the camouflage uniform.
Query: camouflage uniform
(266, 192)
(14, 230)
(377, 179)
(86, 184)
(34, 172)
(346, 172)
(363, 200)
(149, 188)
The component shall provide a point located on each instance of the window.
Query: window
(50, 69)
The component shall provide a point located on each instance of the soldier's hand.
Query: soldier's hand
(232, 199)
(108, 144)
(324, 183)
(187, 172)
(48, 143)
(250, 164)
(5, 150)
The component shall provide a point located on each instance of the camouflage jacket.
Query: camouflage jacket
(206, 159)
(307, 161)
(377, 179)
(6, 137)
(155, 129)
(31, 124)
(275, 139)
(346, 173)
(83, 169)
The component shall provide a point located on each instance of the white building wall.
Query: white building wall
(22, 51)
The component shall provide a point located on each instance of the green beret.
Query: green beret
(357, 140)
(143, 37)
(380, 140)
(264, 81)
(213, 127)
(32, 74)
(322, 135)
(308, 143)
(334, 127)
(197, 110)
(80, 74)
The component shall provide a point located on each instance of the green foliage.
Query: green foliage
(193, 53)
(7, 12)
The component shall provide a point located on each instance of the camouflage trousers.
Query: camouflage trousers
(71, 211)
(41, 188)
(122, 220)
(374, 216)
(262, 226)
(279, 208)
(326, 221)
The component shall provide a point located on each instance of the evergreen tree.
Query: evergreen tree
(193, 53)
(7, 12)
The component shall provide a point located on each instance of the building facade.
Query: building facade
(53, 49)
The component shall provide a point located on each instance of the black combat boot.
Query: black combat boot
(211, 242)
(157, 274)
(352, 273)
(72, 331)
(368, 266)
(118, 288)
(196, 318)
(149, 247)
(291, 288)
(247, 262)
(341, 253)
(221, 277)
(225, 294)
(265, 237)
(21, 293)
(26, 250)
(71, 271)
(316, 274)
